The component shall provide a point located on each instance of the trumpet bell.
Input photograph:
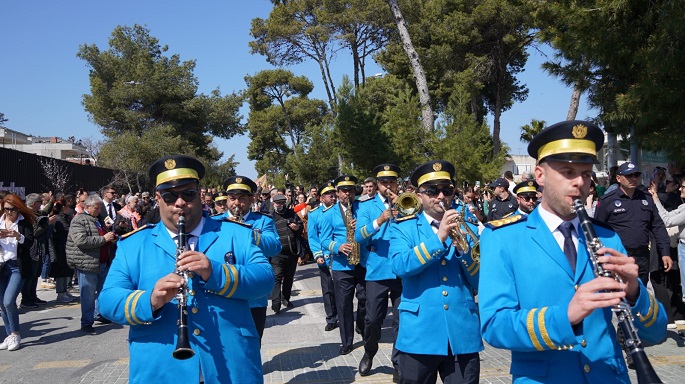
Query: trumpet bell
(408, 203)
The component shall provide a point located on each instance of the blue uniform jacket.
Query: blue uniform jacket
(524, 296)
(221, 330)
(314, 226)
(264, 236)
(437, 305)
(334, 234)
(378, 265)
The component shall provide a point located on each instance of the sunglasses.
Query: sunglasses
(435, 191)
(528, 197)
(187, 196)
(10, 210)
(633, 175)
(220, 203)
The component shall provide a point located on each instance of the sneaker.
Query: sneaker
(672, 326)
(680, 322)
(63, 298)
(39, 301)
(4, 343)
(103, 320)
(29, 305)
(14, 342)
(88, 329)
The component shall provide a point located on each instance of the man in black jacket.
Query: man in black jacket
(289, 228)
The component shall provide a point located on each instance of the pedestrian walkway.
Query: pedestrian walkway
(295, 348)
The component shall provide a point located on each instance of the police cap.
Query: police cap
(436, 170)
(526, 186)
(175, 171)
(500, 182)
(627, 168)
(328, 187)
(240, 184)
(345, 182)
(386, 172)
(571, 141)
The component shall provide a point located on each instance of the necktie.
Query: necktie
(435, 224)
(566, 229)
(111, 213)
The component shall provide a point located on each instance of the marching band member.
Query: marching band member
(348, 271)
(439, 328)
(373, 219)
(141, 288)
(540, 298)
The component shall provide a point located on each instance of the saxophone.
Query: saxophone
(353, 256)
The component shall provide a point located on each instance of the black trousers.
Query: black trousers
(641, 256)
(453, 369)
(28, 289)
(328, 293)
(259, 318)
(284, 274)
(345, 284)
(377, 295)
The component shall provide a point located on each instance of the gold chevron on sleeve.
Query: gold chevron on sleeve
(425, 251)
(234, 273)
(127, 307)
(475, 270)
(530, 324)
(418, 255)
(257, 237)
(134, 303)
(228, 280)
(543, 329)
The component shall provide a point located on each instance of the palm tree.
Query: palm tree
(529, 131)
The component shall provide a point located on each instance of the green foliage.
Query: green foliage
(2, 118)
(629, 57)
(467, 143)
(280, 117)
(216, 173)
(137, 90)
(529, 131)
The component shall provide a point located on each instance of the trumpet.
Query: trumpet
(458, 237)
(475, 250)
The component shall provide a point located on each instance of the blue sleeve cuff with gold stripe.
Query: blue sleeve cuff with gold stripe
(137, 308)
(224, 279)
(646, 308)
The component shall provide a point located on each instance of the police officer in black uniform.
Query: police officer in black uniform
(631, 213)
(503, 202)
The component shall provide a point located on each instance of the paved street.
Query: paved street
(296, 349)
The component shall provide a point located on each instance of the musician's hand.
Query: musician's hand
(320, 260)
(668, 263)
(195, 262)
(385, 216)
(345, 248)
(623, 266)
(353, 223)
(164, 290)
(589, 297)
(447, 224)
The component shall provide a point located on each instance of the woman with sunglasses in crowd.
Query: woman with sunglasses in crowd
(16, 238)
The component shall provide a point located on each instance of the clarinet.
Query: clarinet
(643, 368)
(183, 350)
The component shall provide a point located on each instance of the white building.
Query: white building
(55, 147)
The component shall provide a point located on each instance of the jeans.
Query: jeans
(90, 285)
(681, 265)
(61, 284)
(10, 285)
(45, 272)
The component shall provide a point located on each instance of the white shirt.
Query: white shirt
(10, 244)
(553, 221)
(194, 235)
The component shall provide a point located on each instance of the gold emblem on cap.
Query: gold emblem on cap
(347, 178)
(437, 166)
(170, 164)
(386, 168)
(238, 180)
(530, 183)
(579, 131)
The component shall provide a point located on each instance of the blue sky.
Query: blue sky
(42, 81)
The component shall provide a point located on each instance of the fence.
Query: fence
(28, 171)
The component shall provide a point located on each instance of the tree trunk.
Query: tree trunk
(496, 124)
(355, 61)
(417, 69)
(575, 100)
(326, 85)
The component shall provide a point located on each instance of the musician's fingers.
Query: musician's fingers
(609, 252)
